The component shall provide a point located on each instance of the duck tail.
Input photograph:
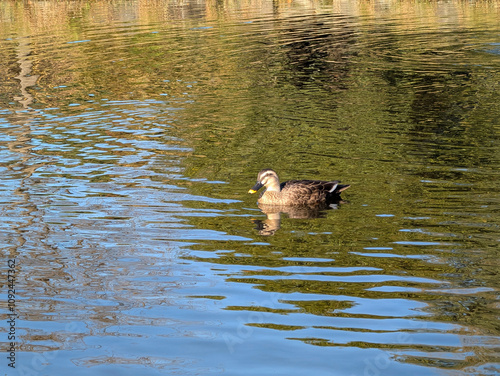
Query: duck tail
(341, 187)
(334, 186)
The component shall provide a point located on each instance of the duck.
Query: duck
(296, 192)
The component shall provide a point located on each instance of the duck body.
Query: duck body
(296, 192)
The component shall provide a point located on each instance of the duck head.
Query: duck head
(266, 178)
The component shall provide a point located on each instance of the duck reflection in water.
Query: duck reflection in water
(297, 198)
(270, 225)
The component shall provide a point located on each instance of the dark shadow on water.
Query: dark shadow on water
(272, 223)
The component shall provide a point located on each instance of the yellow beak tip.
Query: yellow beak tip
(252, 191)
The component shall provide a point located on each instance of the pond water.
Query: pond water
(131, 131)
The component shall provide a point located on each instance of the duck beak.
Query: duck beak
(256, 187)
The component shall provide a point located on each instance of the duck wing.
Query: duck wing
(310, 191)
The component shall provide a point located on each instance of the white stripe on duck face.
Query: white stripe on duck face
(267, 175)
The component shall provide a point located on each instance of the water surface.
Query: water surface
(131, 132)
